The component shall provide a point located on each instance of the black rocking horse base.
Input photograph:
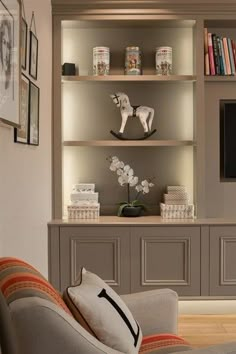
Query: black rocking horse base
(121, 137)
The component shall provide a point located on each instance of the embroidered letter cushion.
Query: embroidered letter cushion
(18, 280)
(163, 344)
(105, 313)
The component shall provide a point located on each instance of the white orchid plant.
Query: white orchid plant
(126, 177)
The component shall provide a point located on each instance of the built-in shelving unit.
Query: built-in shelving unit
(184, 150)
(169, 78)
(128, 143)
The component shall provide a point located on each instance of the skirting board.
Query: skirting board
(207, 307)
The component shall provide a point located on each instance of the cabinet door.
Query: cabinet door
(101, 250)
(166, 257)
(223, 260)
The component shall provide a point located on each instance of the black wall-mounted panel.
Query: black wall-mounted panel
(228, 138)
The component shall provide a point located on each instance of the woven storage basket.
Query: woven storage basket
(177, 211)
(83, 211)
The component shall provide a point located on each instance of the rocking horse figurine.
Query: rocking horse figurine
(145, 115)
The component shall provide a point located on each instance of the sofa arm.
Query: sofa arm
(225, 348)
(43, 327)
(155, 310)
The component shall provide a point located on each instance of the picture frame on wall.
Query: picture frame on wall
(24, 37)
(34, 114)
(21, 135)
(10, 20)
(33, 57)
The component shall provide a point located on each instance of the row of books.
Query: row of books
(220, 54)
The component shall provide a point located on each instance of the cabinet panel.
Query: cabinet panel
(222, 260)
(102, 250)
(54, 256)
(166, 257)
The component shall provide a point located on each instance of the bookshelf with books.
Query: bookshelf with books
(219, 50)
(218, 86)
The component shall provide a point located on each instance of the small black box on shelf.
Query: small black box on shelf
(227, 139)
(68, 69)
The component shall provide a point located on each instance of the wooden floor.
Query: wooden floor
(204, 330)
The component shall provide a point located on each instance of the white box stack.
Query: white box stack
(84, 202)
(176, 204)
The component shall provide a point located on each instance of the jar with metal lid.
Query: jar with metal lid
(101, 61)
(133, 61)
(164, 61)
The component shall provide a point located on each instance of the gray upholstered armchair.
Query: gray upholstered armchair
(33, 319)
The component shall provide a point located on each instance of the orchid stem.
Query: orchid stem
(137, 195)
(128, 190)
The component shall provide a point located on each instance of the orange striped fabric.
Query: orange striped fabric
(163, 344)
(19, 279)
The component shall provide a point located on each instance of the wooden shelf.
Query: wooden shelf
(154, 78)
(125, 143)
(131, 24)
(223, 78)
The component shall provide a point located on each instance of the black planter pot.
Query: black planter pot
(132, 211)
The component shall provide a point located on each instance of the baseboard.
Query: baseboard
(207, 307)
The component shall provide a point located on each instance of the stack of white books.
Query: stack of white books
(176, 204)
(83, 202)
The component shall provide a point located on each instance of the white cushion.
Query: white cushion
(105, 313)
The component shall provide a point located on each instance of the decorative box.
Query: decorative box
(84, 196)
(84, 187)
(177, 202)
(84, 211)
(174, 189)
(176, 196)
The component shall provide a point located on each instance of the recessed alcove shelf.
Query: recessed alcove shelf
(129, 23)
(169, 78)
(120, 143)
(88, 114)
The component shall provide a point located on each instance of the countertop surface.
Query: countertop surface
(142, 220)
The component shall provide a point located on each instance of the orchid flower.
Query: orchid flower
(126, 177)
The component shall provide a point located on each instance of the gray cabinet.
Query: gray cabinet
(166, 257)
(102, 250)
(130, 259)
(194, 260)
(223, 260)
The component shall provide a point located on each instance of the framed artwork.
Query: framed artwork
(24, 32)
(10, 18)
(21, 134)
(33, 58)
(34, 114)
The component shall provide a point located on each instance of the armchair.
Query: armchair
(36, 321)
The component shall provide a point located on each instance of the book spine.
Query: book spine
(234, 51)
(216, 54)
(211, 55)
(223, 55)
(227, 60)
(206, 54)
(220, 57)
(231, 57)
